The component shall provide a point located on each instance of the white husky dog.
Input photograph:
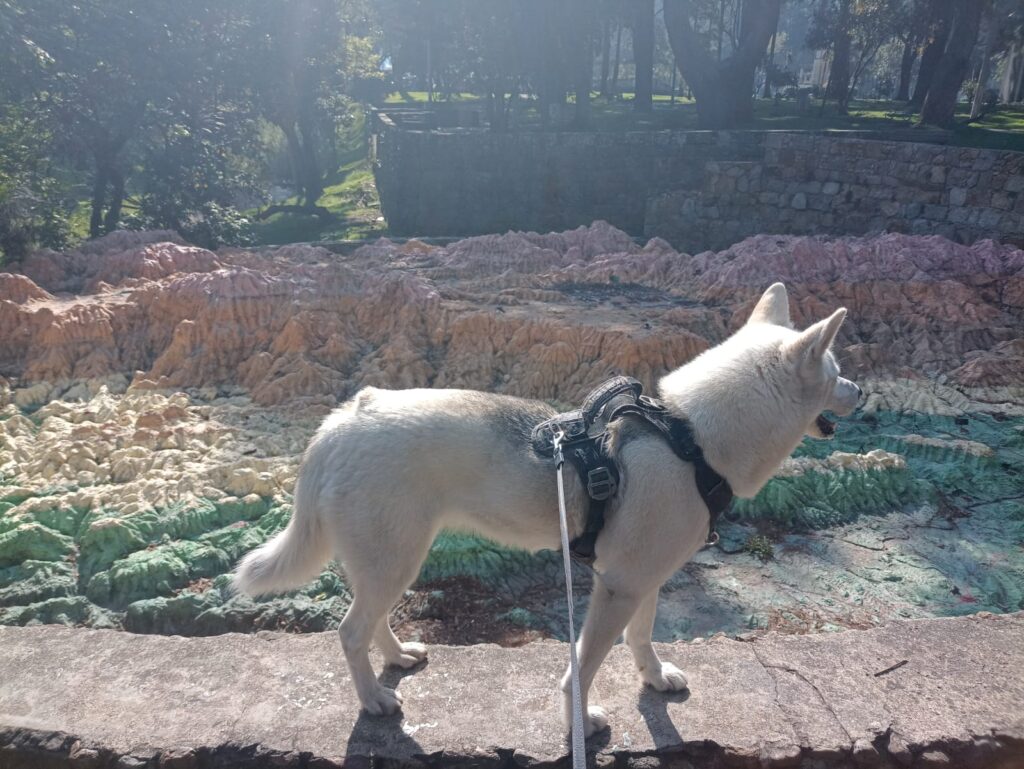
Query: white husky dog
(389, 469)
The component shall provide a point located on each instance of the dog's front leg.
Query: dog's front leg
(663, 676)
(608, 614)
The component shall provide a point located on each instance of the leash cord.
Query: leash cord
(579, 755)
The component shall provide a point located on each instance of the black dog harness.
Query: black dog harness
(585, 443)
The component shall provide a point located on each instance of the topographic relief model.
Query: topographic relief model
(155, 399)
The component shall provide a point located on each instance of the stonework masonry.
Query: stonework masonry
(817, 184)
(697, 189)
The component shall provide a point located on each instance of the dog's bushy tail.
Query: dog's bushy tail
(288, 560)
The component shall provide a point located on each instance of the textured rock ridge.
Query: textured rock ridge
(155, 399)
(536, 315)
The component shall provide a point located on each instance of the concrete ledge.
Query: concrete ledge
(91, 698)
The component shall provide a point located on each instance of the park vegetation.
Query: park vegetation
(207, 117)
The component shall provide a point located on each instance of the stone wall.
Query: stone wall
(696, 189)
(809, 184)
(464, 181)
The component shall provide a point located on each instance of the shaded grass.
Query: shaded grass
(352, 200)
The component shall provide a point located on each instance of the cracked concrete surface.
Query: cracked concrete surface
(101, 698)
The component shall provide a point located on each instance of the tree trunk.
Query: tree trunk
(907, 67)
(768, 67)
(1018, 93)
(643, 55)
(313, 185)
(839, 75)
(618, 58)
(939, 26)
(584, 66)
(99, 192)
(430, 69)
(723, 90)
(721, 27)
(986, 66)
(1009, 89)
(113, 215)
(606, 56)
(940, 103)
(725, 103)
(308, 186)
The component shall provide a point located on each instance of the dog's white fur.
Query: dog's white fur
(389, 469)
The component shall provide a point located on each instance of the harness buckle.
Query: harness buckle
(600, 484)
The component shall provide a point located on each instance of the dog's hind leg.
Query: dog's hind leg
(396, 653)
(606, 617)
(356, 632)
(377, 584)
(663, 676)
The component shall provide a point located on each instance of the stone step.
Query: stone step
(945, 692)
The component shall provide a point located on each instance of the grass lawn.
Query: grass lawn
(1001, 129)
(79, 220)
(420, 97)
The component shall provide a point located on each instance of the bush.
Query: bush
(193, 181)
(209, 224)
(34, 200)
(32, 214)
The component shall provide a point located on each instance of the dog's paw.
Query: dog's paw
(383, 702)
(595, 720)
(415, 650)
(412, 654)
(668, 679)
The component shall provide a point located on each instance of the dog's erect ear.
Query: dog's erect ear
(813, 343)
(772, 307)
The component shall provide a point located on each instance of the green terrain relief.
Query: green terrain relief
(957, 544)
(166, 570)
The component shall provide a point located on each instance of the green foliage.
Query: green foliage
(32, 214)
(34, 199)
(180, 115)
(760, 547)
(155, 108)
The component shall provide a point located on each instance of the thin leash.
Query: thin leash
(579, 754)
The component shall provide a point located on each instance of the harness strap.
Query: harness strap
(713, 488)
(584, 438)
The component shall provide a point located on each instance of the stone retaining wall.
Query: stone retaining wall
(810, 184)
(469, 182)
(696, 189)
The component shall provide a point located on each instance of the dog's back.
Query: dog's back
(410, 461)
